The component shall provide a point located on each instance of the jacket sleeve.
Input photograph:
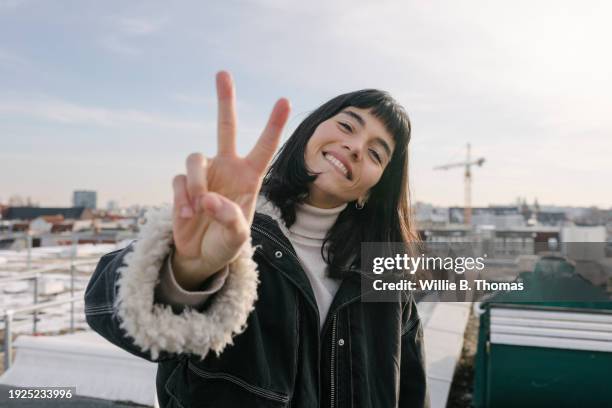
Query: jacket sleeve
(169, 292)
(413, 379)
(120, 301)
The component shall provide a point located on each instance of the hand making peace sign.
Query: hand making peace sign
(214, 203)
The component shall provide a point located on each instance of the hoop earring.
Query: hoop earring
(359, 205)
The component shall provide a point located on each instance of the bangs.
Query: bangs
(387, 110)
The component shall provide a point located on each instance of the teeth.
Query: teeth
(337, 163)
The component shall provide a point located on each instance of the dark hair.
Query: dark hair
(385, 218)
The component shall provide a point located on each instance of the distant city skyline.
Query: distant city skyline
(113, 96)
(115, 204)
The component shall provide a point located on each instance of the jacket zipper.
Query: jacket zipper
(333, 361)
(334, 321)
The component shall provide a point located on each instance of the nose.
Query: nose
(355, 148)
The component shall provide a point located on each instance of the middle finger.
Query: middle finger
(197, 184)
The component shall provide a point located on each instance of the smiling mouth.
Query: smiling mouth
(338, 165)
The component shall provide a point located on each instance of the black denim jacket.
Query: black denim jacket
(367, 354)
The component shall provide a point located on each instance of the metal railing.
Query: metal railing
(73, 237)
(37, 273)
(10, 313)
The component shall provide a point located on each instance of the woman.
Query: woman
(262, 268)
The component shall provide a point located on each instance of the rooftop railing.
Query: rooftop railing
(11, 313)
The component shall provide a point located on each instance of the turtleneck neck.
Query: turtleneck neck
(313, 222)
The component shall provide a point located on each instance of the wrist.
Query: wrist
(190, 273)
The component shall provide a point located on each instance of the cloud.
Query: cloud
(138, 26)
(126, 31)
(10, 60)
(524, 82)
(63, 112)
(118, 46)
(11, 4)
(193, 99)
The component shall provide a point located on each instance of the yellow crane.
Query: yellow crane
(467, 164)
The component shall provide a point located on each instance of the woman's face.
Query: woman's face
(349, 152)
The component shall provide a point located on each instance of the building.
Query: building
(87, 199)
(429, 216)
(112, 206)
(31, 213)
(501, 217)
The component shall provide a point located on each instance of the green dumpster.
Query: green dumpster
(548, 353)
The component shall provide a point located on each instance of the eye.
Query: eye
(376, 156)
(346, 126)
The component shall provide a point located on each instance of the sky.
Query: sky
(112, 96)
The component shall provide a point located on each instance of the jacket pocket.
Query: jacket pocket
(191, 386)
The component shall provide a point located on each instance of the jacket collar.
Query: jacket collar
(272, 244)
(269, 241)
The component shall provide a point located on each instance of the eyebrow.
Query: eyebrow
(361, 121)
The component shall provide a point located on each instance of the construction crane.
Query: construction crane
(468, 163)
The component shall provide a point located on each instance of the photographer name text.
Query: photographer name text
(446, 285)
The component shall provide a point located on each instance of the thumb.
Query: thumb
(228, 214)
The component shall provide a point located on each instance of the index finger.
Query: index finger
(226, 116)
(266, 145)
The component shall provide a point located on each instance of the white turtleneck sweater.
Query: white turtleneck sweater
(306, 235)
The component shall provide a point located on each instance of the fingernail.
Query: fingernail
(186, 212)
